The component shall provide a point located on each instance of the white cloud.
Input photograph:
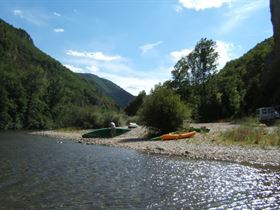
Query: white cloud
(177, 55)
(147, 47)
(93, 55)
(56, 14)
(178, 9)
(92, 69)
(31, 16)
(131, 83)
(203, 4)
(241, 12)
(74, 68)
(225, 51)
(58, 30)
(17, 12)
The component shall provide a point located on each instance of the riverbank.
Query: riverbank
(202, 146)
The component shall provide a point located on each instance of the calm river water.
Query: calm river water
(38, 172)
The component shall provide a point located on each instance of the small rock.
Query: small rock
(159, 148)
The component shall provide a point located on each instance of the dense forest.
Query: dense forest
(250, 82)
(36, 91)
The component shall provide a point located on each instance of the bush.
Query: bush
(118, 118)
(90, 117)
(163, 110)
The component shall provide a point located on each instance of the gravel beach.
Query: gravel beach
(202, 146)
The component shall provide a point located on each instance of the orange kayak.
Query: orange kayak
(173, 136)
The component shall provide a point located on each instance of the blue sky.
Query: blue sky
(135, 43)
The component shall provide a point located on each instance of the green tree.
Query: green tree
(192, 73)
(163, 110)
(181, 79)
(203, 65)
(135, 104)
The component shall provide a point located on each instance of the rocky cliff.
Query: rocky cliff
(275, 18)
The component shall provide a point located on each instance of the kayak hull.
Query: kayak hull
(105, 133)
(173, 136)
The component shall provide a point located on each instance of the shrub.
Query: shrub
(163, 110)
(118, 118)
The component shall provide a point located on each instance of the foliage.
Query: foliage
(243, 82)
(92, 117)
(135, 104)
(37, 92)
(191, 76)
(163, 110)
(133, 119)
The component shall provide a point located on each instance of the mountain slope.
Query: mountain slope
(36, 91)
(250, 81)
(119, 95)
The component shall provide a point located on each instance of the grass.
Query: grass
(247, 121)
(249, 135)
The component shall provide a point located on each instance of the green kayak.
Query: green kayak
(105, 133)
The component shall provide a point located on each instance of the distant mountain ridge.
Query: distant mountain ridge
(110, 89)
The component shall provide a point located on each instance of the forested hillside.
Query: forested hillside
(250, 82)
(36, 91)
(237, 90)
(110, 89)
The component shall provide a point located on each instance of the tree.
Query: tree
(203, 64)
(135, 104)
(192, 72)
(163, 110)
(181, 79)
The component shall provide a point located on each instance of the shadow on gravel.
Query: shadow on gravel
(128, 140)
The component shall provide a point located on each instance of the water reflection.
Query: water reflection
(37, 172)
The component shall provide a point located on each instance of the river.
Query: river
(42, 173)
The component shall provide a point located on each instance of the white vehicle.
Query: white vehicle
(267, 114)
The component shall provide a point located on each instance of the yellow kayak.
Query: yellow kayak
(174, 136)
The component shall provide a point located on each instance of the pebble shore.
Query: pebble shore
(202, 146)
